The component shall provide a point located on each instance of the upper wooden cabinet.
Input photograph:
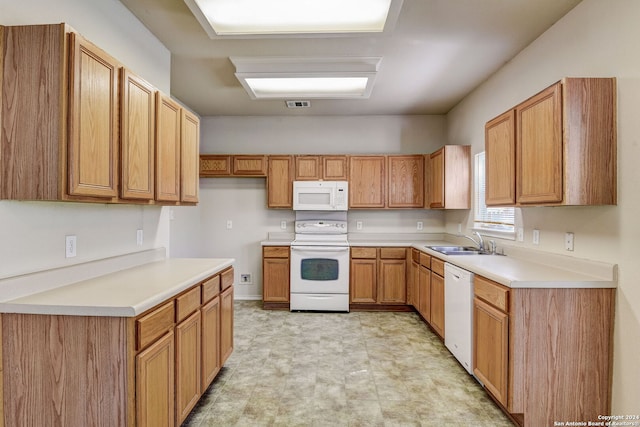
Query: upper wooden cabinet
(221, 165)
(406, 181)
(450, 177)
(367, 181)
(137, 137)
(327, 168)
(189, 143)
(80, 127)
(564, 144)
(168, 135)
(280, 182)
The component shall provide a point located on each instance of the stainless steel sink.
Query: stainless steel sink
(458, 250)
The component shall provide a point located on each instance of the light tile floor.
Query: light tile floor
(340, 369)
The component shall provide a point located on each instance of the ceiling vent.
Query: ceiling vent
(298, 104)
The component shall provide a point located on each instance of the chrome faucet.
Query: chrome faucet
(479, 243)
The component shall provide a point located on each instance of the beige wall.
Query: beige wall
(597, 38)
(32, 233)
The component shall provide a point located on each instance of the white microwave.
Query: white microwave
(320, 195)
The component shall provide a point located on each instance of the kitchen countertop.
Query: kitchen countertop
(520, 268)
(125, 293)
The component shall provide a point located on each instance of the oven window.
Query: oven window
(319, 269)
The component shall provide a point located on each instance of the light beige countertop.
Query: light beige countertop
(520, 268)
(124, 293)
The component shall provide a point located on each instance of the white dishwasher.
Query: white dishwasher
(458, 314)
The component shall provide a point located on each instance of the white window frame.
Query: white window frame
(503, 220)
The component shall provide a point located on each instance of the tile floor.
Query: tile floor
(333, 369)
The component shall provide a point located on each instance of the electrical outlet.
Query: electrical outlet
(245, 279)
(568, 241)
(358, 225)
(70, 246)
(536, 237)
(419, 226)
(139, 237)
(283, 225)
(459, 228)
(229, 224)
(520, 234)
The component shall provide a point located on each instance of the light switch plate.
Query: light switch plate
(283, 225)
(536, 237)
(358, 225)
(419, 226)
(229, 224)
(520, 234)
(70, 246)
(568, 241)
(139, 237)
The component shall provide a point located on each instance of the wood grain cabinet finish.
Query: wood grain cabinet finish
(413, 279)
(210, 358)
(226, 324)
(168, 134)
(450, 178)
(137, 137)
(335, 168)
(406, 181)
(367, 182)
(437, 303)
(155, 384)
(188, 365)
(363, 277)
(319, 167)
(226, 165)
(565, 147)
(280, 182)
(378, 276)
(275, 275)
(189, 168)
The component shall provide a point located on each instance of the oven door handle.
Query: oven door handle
(321, 248)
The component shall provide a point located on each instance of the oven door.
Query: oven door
(320, 269)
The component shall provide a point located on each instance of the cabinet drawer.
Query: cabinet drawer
(425, 260)
(363, 252)
(187, 303)
(492, 292)
(393, 253)
(250, 165)
(415, 255)
(210, 288)
(226, 278)
(275, 251)
(437, 266)
(153, 325)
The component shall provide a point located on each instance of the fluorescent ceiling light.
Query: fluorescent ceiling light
(287, 17)
(285, 77)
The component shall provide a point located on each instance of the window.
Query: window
(492, 220)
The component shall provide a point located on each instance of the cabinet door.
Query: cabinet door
(335, 168)
(393, 281)
(308, 168)
(539, 148)
(406, 182)
(210, 342)
(188, 368)
(189, 143)
(137, 137)
(155, 384)
(280, 182)
(250, 165)
(363, 280)
(437, 303)
(367, 181)
(215, 165)
(167, 149)
(424, 293)
(490, 348)
(275, 279)
(93, 121)
(226, 324)
(500, 160)
(436, 174)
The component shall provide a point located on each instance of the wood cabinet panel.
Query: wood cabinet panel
(539, 148)
(500, 160)
(276, 251)
(436, 172)
(210, 342)
(93, 121)
(210, 288)
(155, 382)
(437, 266)
(363, 281)
(189, 147)
(393, 253)
(450, 177)
(226, 278)
(367, 182)
(280, 182)
(437, 303)
(137, 137)
(275, 279)
(187, 303)
(250, 165)
(308, 168)
(413, 288)
(360, 252)
(168, 135)
(335, 168)
(490, 348)
(153, 325)
(406, 181)
(392, 281)
(491, 292)
(424, 293)
(226, 324)
(215, 165)
(425, 260)
(188, 365)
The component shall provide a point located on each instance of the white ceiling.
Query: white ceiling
(439, 51)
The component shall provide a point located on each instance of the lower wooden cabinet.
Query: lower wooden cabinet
(437, 303)
(226, 324)
(210, 342)
(155, 384)
(275, 276)
(424, 293)
(378, 276)
(188, 365)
